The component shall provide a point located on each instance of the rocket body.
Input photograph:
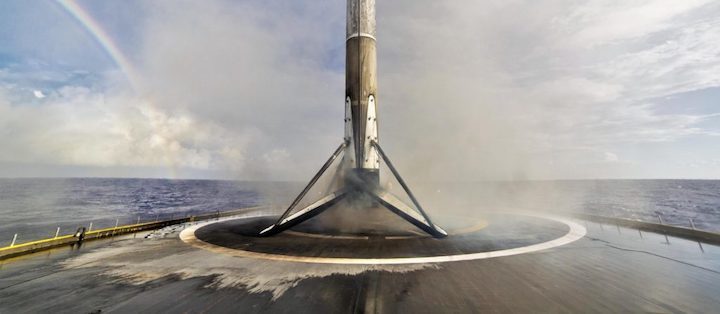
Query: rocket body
(358, 180)
(361, 90)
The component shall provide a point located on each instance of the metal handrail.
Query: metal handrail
(15, 249)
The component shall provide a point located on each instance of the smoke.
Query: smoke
(521, 90)
(252, 69)
(469, 91)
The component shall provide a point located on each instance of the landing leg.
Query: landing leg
(306, 213)
(396, 206)
(401, 209)
(363, 184)
(302, 194)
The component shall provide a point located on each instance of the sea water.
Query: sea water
(35, 208)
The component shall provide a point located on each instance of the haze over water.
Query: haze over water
(34, 208)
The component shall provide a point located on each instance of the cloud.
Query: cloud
(38, 94)
(610, 157)
(78, 127)
(532, 97)
(234, 92)
(468, 90)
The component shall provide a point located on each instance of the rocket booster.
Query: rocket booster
(360, 148)
(361, 89)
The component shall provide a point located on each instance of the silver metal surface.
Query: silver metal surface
(361, 86)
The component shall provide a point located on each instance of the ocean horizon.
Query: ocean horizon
(34, 208)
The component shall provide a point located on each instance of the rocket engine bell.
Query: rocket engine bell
(361, 91)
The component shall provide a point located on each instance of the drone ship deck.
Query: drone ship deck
(493, 262)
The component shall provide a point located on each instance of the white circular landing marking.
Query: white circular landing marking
(576, 232)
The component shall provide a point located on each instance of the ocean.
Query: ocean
(35, 208)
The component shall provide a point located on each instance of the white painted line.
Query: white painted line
(576, 232)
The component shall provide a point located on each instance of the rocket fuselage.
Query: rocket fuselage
(361, 89)
(359, 178)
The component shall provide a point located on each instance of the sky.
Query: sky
(468, 90)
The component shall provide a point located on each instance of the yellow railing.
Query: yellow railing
(14, 250)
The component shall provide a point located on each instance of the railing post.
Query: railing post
(138, 220)
(57, 232)
(117, 221)
(90, 227)
(692, 225)
(13, 241)
(157, 217)
(667, 240)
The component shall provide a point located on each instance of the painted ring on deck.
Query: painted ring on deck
(576, 232)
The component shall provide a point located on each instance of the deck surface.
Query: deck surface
(610, 270)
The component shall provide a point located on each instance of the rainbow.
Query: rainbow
(111, 48)
(107, 43)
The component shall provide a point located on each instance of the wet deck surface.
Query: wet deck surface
(503, 233)
(609, 270)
